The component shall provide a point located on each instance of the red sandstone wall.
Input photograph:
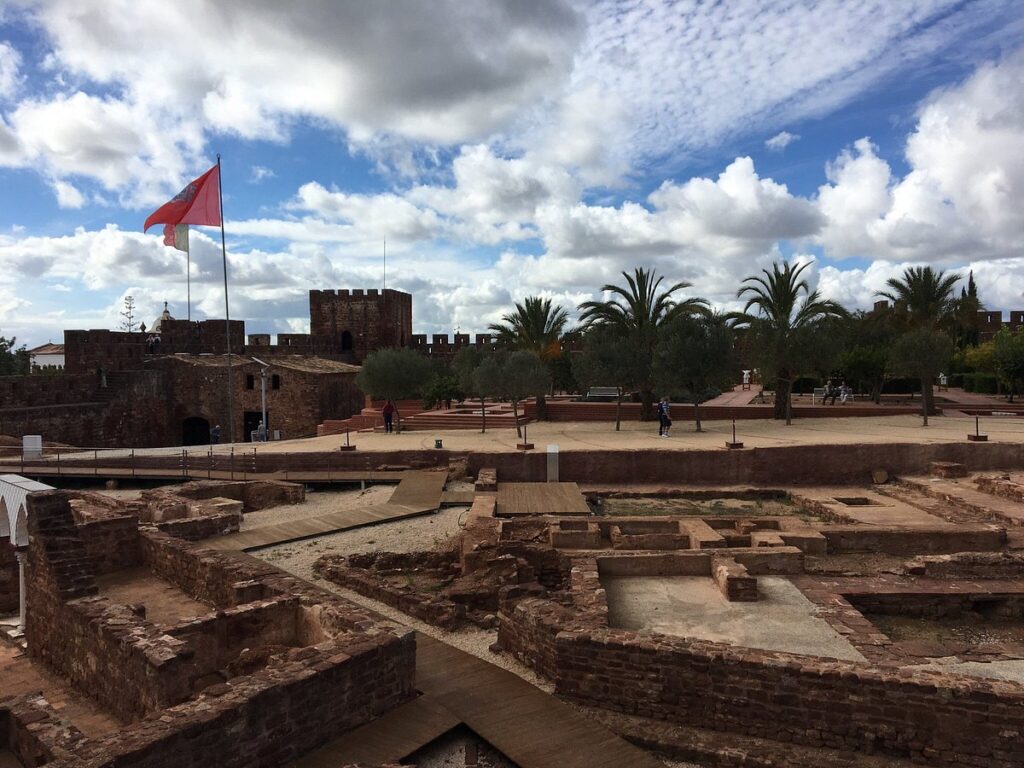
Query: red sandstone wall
(955, 721)
(111, 543)
(791, 465)
(272, 717)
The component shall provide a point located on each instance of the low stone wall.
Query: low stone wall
(254, 494)
(1001, 486)
(34, 732)
(273, 716)
(433, 609)
(204, 527)
(803, 699)
(969, 565)
(913, 541)
(789, 465)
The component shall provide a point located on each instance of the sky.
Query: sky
(501, 149)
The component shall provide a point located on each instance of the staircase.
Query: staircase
(498, 417)
(414, 418)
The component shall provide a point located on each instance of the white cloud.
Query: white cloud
(961, 198)
(597, 89)
(67, 195)
(780, 141)
(260, 173)
(10, 70)
(693, 74)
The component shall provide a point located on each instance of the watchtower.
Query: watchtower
(359, 322)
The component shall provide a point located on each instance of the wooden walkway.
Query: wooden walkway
(88, 468)
(527, 725)
(516, 499)
(418, 493)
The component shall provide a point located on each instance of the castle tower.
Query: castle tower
(358, 322)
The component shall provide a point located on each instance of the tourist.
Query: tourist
(664, 418)
(261, 432)
(215, 435)
(844, 392)
(388, 412)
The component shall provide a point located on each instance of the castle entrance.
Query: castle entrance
(195, 430)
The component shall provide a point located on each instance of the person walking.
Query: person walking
(215, 435)
(261, 432)
(664, 418)
(388, 412)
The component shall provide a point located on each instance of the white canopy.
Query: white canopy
(13, 517)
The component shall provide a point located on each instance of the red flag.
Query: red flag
(197, 203)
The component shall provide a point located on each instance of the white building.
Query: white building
(47, 356)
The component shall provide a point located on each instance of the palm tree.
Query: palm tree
(924, 299)
(535, 326)
(639, 312)
(782, 323)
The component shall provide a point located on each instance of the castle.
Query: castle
(168, 385)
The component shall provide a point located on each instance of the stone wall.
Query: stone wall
(254, 494)
(34, 732)
(8, 577)
(111, 543)
(130, 410)
(271, 717)
(803, 699)
(791, 465)
(913, 541)
(278, 654)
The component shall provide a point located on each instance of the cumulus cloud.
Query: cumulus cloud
(780, 141)
(960, 199)
(569, 83)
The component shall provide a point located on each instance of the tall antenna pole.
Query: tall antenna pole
(227, 314)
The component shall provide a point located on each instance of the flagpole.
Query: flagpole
(227, 314)
(188, 272)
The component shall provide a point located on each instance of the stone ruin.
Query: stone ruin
(552, 586)
(219, 657)
(204, 657)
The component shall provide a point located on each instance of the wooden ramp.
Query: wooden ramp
(527, 725)
(457, 498)
(418, 493)
(516, 499)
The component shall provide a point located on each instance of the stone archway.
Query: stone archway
(346, 341)
(14, 490)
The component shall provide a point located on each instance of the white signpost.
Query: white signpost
(32, 446)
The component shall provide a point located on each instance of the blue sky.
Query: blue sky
(503, 149)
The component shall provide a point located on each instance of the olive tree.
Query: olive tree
(523, 375)
(394, 374)
(921, 353)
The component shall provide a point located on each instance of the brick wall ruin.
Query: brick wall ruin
(269, 655)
